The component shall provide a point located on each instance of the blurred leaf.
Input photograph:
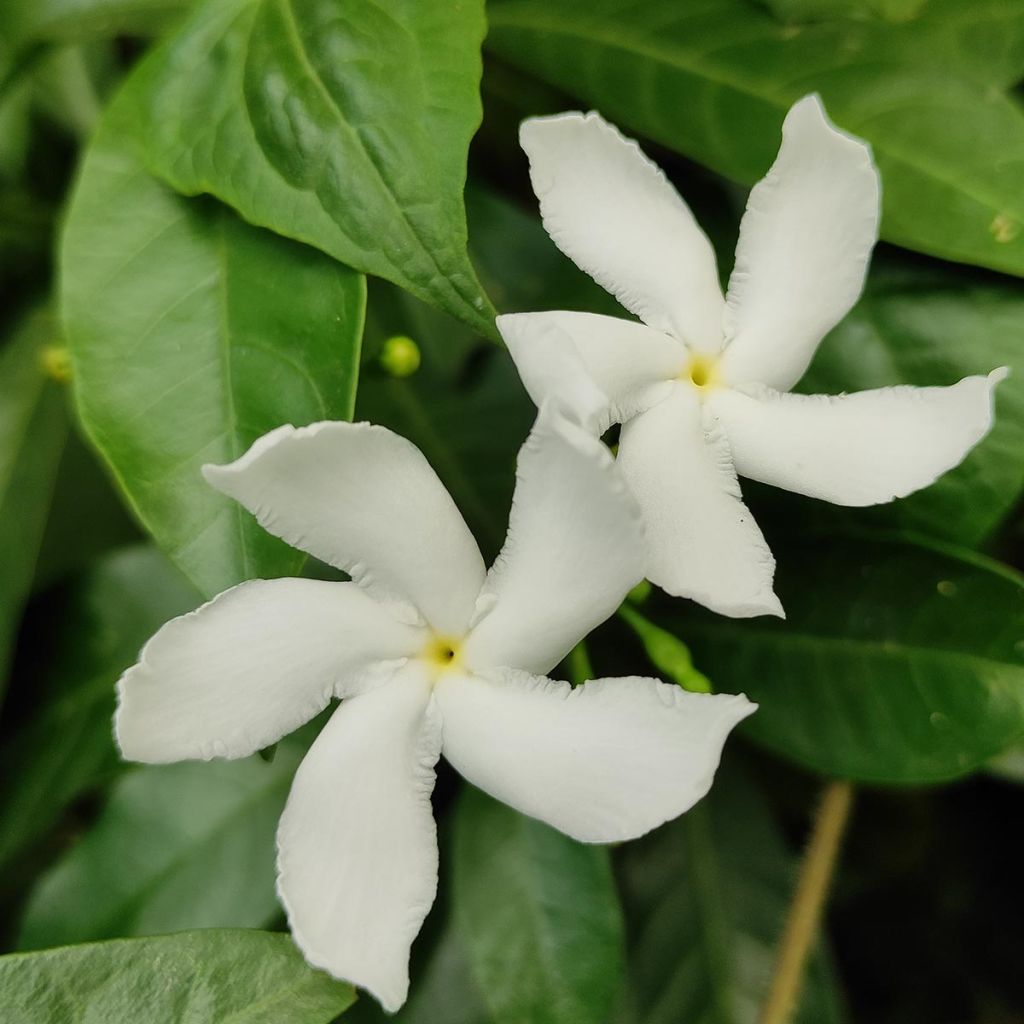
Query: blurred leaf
(217, 976)
(669, 655)
(896, 663)
(932, 325)
(286, 109)
(73, 21)
(714, 81)
(88, 519)
(706, 897)
(539, 914)
(66, 746)
(192, 334)
(444, 993)
(33, 426)
(1009, 765)
(178, 846)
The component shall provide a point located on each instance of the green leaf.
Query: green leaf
(897, 663)
(178, 846)
(540, 916)
(73, 21)
(33, 427)
(705, 899)
(344, 126)
(192, 334)
(934, 326)
(65, 747)
(714, 81)
(216, 976)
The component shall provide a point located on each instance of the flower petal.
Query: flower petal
(566, 355)
(250, 666)
(365, 500)
(702, 541)
(357, 846)
(803, 252)
(573, 550)
(615, 215)
(858, 449)
(606, 761)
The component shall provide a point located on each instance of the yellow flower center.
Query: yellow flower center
(702, 372)
(442, 654)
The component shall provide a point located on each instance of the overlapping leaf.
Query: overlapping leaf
(192, 334)
(178, 846)
(343, 125)
(66, 746)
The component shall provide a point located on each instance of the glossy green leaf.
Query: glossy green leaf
(539, 914)
(215, 976)
(33, 427)
(705, 899)
(896, 663)
(934, 326)
(178, 846)
(344, 126)
(192, 334)
(714, 80)
(66, 747)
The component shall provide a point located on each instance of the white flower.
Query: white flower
(700, 390)
(429, 653)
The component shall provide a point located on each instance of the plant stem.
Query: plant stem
(808, 901)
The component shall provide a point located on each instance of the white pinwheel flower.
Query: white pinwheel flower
(429, 654)
(700, 386)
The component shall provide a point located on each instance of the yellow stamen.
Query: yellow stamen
(442, 654)
(702, 372)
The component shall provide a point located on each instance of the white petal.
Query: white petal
(858, 449)
(804, 247)
(615, 215)
(605, 761)
(357, 846)
(365, 500)
(574, 549)
(565, 356)
(702, 541)
(250, 666)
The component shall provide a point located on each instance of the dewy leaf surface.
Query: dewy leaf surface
(33, 427)
(178, 846)
(896, 663)
(343, 125)
(705, 899)
(215, 976)
(714, 78)
(66, 746)
(192, 334)
(540, 916)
